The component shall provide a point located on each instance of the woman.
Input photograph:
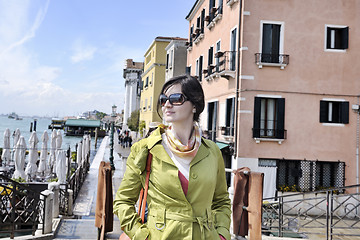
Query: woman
(187, 196)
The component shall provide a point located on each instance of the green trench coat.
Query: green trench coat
(203, 214)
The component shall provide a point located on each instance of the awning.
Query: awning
(222, 145)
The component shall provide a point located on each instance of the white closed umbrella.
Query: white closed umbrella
(61, 166)
(88, 146)
(31, 167)
(16, 137)
(83, 157)
(79, 153)
(43, 166)
(58, 140)
(6, 154)
(52, 157)
(19, 159)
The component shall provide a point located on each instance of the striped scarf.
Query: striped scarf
(190, 149)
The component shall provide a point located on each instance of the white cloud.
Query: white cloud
(82, 52)
(27, 34)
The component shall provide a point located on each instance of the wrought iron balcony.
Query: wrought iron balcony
(225, 65)
(269, 133)
(266, 59)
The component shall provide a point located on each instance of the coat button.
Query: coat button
(193, 175)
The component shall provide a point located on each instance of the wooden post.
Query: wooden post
(255, 204)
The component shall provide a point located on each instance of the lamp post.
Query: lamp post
(111, 158)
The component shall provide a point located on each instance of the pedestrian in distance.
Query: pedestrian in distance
(187, 193)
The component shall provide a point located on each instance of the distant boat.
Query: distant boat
(13, 115)
(18, 118)
(57, 123)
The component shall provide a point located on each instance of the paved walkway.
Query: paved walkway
(82, 224)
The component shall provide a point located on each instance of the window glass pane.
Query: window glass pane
(271, 43)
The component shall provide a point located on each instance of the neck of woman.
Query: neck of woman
(183, 130)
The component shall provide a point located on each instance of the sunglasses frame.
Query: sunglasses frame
(168, 98)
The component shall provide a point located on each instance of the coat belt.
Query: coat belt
(205, 222)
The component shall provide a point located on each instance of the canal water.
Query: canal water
(41, 126)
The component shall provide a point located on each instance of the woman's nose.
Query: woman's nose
(167, 103)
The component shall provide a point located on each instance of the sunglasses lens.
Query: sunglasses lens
(162, 99)
(176, 99)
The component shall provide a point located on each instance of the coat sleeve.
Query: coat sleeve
(221, 204)
(128, 193)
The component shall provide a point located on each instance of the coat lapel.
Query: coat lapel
(202, 153)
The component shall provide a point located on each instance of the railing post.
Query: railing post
(12, 214)
(47, 197)
(55, 188)
(281, 215)
(71, 202)
(330, 213)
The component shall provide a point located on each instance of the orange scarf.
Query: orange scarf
(188, 150)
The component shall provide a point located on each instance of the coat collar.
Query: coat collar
(156, 148)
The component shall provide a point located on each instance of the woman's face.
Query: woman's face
(177, 113)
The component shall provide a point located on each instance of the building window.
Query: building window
(171, 58)
(197, 73)
(188, 70)
(269, 118)
(217, 61)
(212, 119)
(232, 49)
(212, 9)
(148, 59)
(202, 20)
(305, 175)
(210, 60)
(270, 43)
(334, 112)
(150, 103)
(337, 37)
(146, 83)
(145, 106)
(198, 68)
(167, 61)
(230, 117)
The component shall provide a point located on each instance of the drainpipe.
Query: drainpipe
(357, 146)
(238, 81)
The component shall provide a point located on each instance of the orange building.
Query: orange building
(288, 69)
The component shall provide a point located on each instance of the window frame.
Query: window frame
(326, 38)
(343, 116)
(279, 127)
(281, 38)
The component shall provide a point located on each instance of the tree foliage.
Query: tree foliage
(100, 115)
(133, 121)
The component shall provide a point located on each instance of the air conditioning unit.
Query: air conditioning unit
(355, 107)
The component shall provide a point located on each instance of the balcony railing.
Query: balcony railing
(266, 59)
(214, 16)
(225, 66)
(269, 133)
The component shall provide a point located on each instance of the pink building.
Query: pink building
(295, 81)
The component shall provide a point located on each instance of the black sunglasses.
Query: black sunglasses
(176, 99)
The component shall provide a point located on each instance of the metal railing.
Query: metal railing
(21, 208)
(325, 214)
(78, 177)
(282, 59)
(269, 133)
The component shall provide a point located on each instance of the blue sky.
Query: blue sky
(64, 57)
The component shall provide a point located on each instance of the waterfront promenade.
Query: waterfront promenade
(82, 224)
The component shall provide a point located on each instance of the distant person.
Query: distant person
(182, 204)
